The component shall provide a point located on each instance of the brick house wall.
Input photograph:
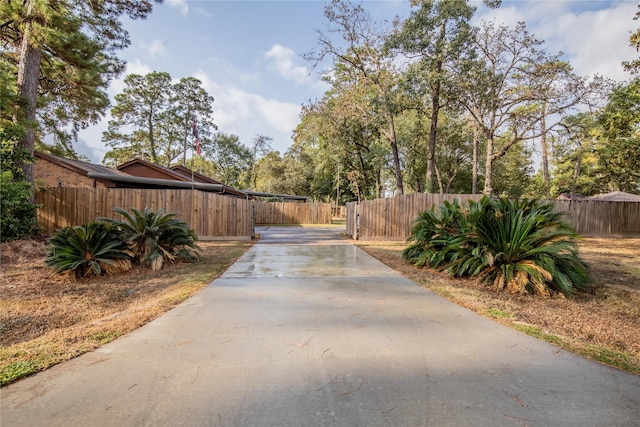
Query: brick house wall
(49, 174)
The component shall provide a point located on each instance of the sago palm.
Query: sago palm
(91, 249)
(432, 233)
(156, 237)
(519, 246)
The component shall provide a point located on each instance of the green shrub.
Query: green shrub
(18, 215)
(156, 237)
(519, 246)
(91, 249)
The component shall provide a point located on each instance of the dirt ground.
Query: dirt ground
(602, 324)
(46, 319)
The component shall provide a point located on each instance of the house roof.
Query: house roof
(616, 196)
(136, 174)
(189, 174)
(156, 176)
(76, 165)
(144, 168)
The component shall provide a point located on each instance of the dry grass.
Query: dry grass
(46, 319)
(602, 324)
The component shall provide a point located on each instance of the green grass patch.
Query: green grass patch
(612, 357)
(105, 337)
(16, 370)
(537, 332)
(498, 314)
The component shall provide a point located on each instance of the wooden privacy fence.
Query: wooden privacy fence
(601, 217)
(292, 213)
(392, 218)
(211, 216)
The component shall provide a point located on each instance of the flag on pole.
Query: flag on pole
(195, 134)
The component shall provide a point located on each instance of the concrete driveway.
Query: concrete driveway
(308, 330)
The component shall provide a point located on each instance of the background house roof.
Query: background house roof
(616, 196)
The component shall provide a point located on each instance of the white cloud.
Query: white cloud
(246, 114)
(593, 41)
(283, 116)
(281, 60)
(155, 48)
(181, 5)
(137, 67)
(202, 13)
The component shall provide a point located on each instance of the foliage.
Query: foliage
(90, 249)
(18, 219)
(261, 147)
(512, 174)
(438, 33)
(138, 110)
(575, 158)
(18, 216)
(365, 78)
(518, 246)
(154, 119)
(634, 41)
(156, 237)
(432, 232)
(230, 159)
(69, 62)
(619, 147)
(511, 86)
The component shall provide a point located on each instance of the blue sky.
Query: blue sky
(248, 53)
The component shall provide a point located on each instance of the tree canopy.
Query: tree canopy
(430, 103)
(63, 55)
(154, 119)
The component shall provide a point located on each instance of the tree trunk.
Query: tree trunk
(439, 177)
(488, 166)
(396, 156)
(28, 81)
(435, 110)
(474, 171)
(433, 134)
(545, 154)
(152, 141)
(576, 174)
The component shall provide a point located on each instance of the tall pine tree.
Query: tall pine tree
(63, 55)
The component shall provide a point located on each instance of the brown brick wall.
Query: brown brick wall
(49, 174)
